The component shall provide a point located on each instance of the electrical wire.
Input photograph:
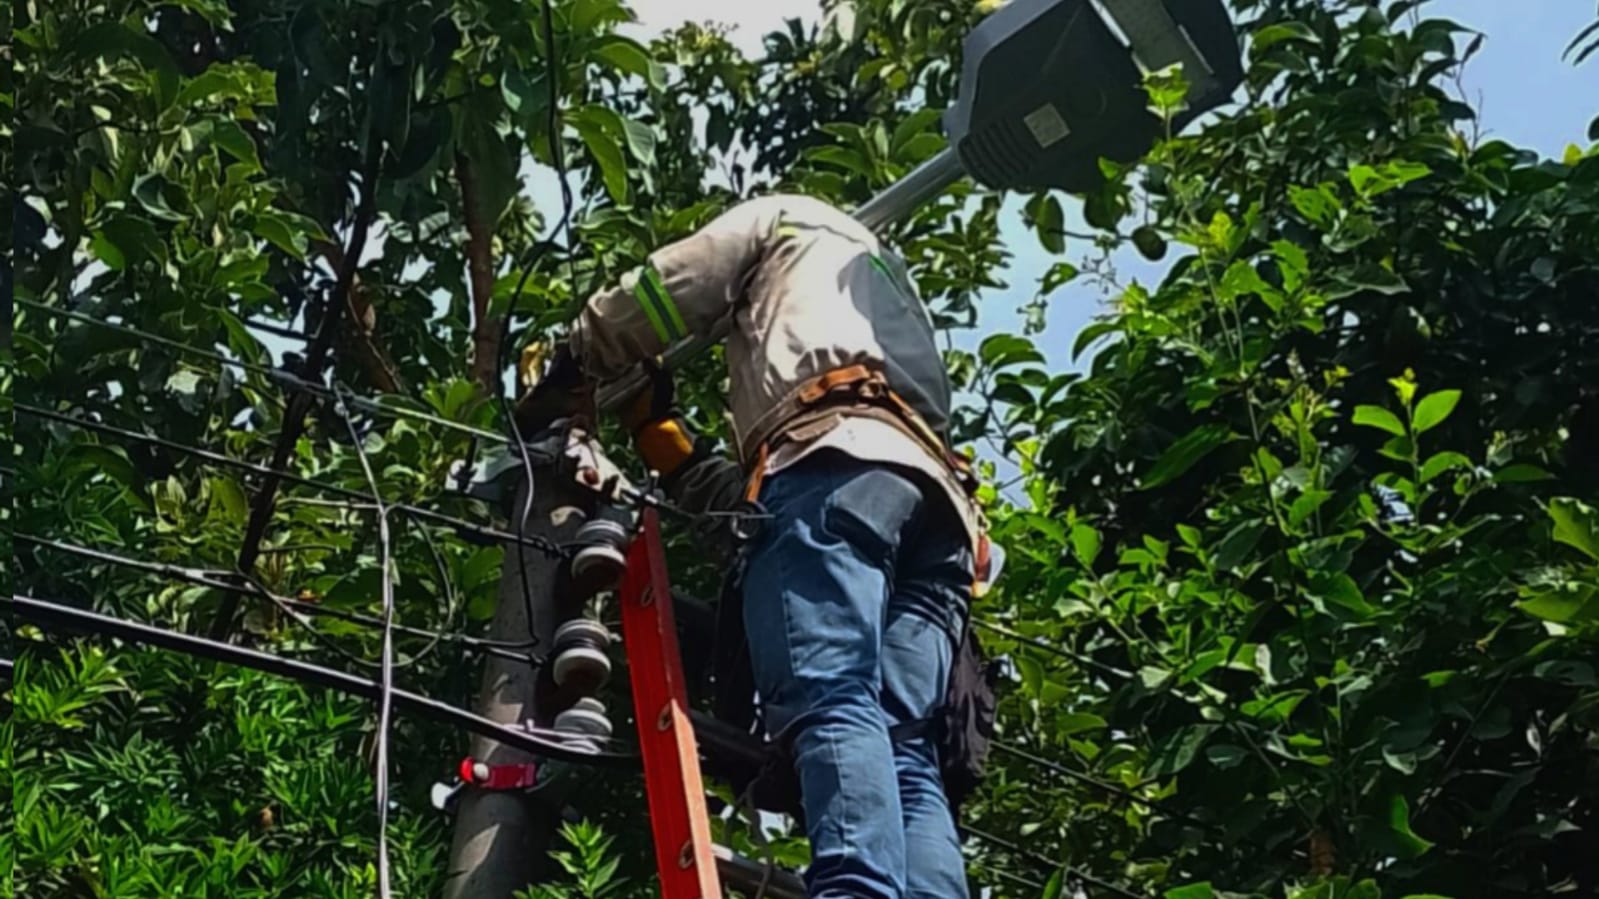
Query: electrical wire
(386, 650)
(481, 534)
(1081, 777)
(248, 586)
(1051, 864)
(538, 741)
(1079, 658)
(283, 378)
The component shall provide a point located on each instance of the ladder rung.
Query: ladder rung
(745, 875)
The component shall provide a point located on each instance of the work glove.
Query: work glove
(658, 429)
(554, 391)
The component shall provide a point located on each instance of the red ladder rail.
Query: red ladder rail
(684, 854)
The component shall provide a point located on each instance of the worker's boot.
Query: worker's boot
(580, 663)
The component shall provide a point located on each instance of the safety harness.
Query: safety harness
(860, 389)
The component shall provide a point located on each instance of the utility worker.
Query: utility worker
(857, 588)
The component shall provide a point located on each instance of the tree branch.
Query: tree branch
(480, 268)
(375, 363)
(300, 402)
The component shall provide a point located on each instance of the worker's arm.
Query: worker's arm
(695, 477)
(682, 290)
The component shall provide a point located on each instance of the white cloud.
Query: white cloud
(751, 19)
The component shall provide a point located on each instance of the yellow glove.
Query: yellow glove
(662, 438)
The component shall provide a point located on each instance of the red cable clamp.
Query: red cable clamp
(499, 777)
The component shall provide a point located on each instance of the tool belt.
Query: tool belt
(861, 390)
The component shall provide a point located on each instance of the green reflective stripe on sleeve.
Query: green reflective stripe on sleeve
(650, 311)
(787, 231)
(882, 267)
(671, 320)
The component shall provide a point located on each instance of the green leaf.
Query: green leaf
(1078, 722)
(1292, 263)
(111, 40)
(184, 381)
(1521, 473)
(1570, 672)
(1056, 886)
(1341, 590)
(231, 497)
(1576, 525)
(1225, 756)
(1085, 544)
(1238, 544)
(1271, 35)
(236, 142)
(1059, 275)
(626, 55)
(912, 126)
(128, 239)
(1178, 750)
(1320, 205)
(277, 229)
(1002, 350)
(108, 252)
(217, 79)
(1093, 332)
(1050, 221)
(1572, 605)
(603, 133)
(1434, 409)
(1443, 462)
(842, 157)
(151, 191)
(111, 461)
(1032, 674)
(1192, 891)
(1379, 418)
(640, 141)
(1410, 845)
(1186, 453)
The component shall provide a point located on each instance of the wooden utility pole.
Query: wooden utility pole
(502, 838)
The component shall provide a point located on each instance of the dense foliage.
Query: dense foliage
(1304, 566)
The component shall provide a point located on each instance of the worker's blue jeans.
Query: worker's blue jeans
(854, 595)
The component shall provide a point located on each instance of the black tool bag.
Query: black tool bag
(963, 729)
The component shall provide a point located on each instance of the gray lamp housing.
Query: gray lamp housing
(1049, 87)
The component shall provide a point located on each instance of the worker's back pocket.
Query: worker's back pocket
(871, 511)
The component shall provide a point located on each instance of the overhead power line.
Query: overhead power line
(518, 650)
(281, 377)
(546, 743)
(1052, 865)
(483, 535)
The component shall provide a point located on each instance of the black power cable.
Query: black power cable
(245, 586)
(1052, 865)
(538, 742)
(481, 534)
(278, 375)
